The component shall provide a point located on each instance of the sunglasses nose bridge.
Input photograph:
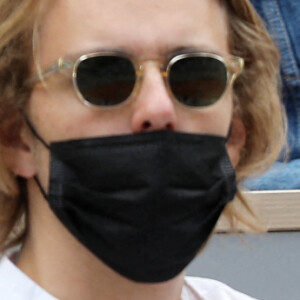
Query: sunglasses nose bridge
(151, 61)
(155, 62)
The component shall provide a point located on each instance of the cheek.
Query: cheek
(215, 119)
(59, 115)
(219, 116)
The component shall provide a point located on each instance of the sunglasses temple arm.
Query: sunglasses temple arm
(58, 67)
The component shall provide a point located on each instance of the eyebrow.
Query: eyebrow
(165, 51)
(79, 53)
(200, 48)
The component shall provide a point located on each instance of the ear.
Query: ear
(18, 157)
(236, 140)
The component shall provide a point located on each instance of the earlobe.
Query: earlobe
(19, 158)
(236, 140)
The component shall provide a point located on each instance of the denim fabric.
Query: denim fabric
(282, 18)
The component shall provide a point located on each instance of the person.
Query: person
(282, 21)
(125, 129)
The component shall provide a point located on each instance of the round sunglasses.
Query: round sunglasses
(110, 78)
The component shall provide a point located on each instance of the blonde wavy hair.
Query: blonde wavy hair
(255, 90)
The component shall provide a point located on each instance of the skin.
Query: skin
(51, 256)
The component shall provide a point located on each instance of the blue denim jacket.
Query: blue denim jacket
(283, 22)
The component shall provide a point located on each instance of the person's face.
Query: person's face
(145, 29)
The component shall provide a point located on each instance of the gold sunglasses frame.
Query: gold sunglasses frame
(233, 64)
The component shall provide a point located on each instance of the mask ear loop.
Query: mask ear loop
(35, 133)
(229, 132)
(36, 179)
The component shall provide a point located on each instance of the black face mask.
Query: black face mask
(145, 203)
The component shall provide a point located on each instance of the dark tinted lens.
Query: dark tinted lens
(198, 81)
(105, 80)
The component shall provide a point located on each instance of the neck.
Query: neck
(55, 260)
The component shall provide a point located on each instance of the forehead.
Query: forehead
(140, 27)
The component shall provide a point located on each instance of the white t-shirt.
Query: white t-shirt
(15, 285)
